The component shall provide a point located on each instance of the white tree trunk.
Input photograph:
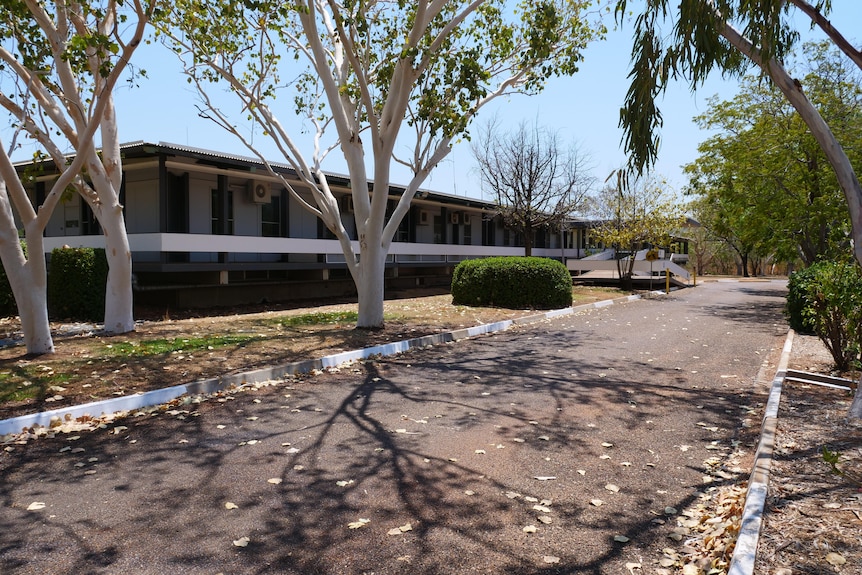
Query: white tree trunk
(369, 284)
(32, 298)
(119, 315)
(28, 280)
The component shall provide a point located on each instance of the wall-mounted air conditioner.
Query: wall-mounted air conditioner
(259, 192)
(454, 218)
(465, 219)
(424, 218)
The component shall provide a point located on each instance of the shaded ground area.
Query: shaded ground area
(813, 518)
(177, 349)
(605, 442)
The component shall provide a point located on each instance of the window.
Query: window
(489, 229)
(89, 224)
(438, 229)
(222, 213)
(468, 232)
(270, 218)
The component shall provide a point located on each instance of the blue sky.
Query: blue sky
(584, 109)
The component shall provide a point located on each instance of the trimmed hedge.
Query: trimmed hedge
(512, 282)
(8, 306)
(76, 284)
(826, 299)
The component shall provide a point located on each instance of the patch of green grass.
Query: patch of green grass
(27, 383)
(319, 318)
(187, 344)
(316, 318)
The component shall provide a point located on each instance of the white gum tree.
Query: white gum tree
(59, 64)
(382, 81)
(729, 36)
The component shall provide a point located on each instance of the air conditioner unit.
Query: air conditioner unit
(347, 204)
(465, 219)
(424, 218)
(454, 218)
(259, 192)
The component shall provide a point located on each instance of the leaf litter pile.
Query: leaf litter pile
(813, 517)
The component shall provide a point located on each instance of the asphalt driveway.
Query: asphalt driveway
(567, 446)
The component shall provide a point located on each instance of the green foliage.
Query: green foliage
(76, 284)
(693, 50)
(764, 161)
(831, 458)
(8, 306)
(635, 216)
(512, 282)
(826, 298)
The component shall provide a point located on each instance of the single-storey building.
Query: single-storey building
(208, 228)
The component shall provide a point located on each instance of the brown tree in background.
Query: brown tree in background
(534, 179)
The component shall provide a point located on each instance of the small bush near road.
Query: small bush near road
(826, 299)
(76, 284)
(512, 282)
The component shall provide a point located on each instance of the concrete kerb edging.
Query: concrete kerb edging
(216, 384)
(745, 552)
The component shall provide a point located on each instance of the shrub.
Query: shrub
(76, 284)
(797, 300)
(826, 298)
(8, 306)
(512, 282)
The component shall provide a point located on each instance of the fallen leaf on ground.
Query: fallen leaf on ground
(274, 480)
(612, 488)
(230, 505)
(542, 508)
(36, 506)
(545, 477)
(550, 559)
(358, 524)
(632, 566)
(835, 559)
(597, 502)
(545, 519)
(530, 529)
(621, 539)
(242, 542)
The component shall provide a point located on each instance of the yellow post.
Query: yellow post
(667, 281)
(694, 276)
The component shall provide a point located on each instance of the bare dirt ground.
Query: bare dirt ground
(185, 347)
(813, 518)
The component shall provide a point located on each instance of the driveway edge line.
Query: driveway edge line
(745, 552)
(104, 407)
